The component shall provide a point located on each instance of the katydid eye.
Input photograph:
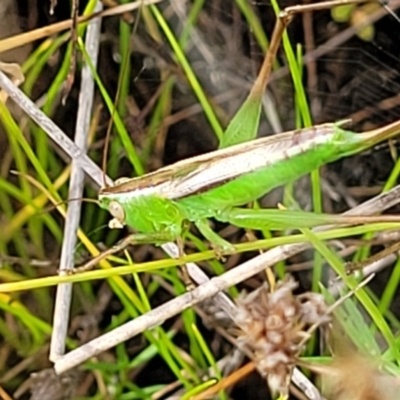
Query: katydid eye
(116, 211)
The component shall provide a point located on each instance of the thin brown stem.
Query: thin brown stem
(353, 266)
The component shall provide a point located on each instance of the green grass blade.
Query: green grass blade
(337, 264)
(196, 86)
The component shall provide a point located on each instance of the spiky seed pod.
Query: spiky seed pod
(273, 326)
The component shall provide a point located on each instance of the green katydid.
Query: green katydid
(214, 185)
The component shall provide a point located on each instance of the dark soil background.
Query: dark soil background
(357, 80)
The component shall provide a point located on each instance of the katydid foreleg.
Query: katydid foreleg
(133, 239)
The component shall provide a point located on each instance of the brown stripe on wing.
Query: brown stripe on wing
(149, 180)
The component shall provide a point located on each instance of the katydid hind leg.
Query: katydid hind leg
(277, 219)
(262, 219)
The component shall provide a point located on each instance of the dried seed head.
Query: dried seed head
(273, 327)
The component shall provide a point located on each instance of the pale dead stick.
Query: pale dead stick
(28, 37)
(76, 184)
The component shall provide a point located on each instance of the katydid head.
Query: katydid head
(115, 208)
(113, 199)
(112, 205)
